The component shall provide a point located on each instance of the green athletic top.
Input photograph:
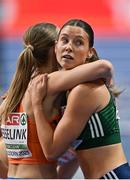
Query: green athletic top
(102, 129)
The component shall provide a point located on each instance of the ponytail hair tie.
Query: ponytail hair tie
(29, 47)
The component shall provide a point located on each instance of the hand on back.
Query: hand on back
(38, 89)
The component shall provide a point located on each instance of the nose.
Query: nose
(69, 47)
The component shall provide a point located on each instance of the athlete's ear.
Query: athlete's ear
(90, 53)
(94, 53)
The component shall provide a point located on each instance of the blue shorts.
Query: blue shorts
(121, 172)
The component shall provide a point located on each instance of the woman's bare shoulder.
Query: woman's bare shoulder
(88, 87)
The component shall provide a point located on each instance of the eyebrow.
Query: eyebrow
(63, 34)
(78, 36)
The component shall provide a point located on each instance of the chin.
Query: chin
(68, 66)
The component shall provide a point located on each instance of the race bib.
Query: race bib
(15, 133)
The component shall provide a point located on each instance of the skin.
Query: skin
(72, 44)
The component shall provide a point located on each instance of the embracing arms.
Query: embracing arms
(77, 112)
(64, 80)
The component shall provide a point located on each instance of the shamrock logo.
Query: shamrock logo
(23, 119)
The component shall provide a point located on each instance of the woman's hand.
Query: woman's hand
(38, 89)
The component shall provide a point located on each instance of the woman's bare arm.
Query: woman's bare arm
(64, 80)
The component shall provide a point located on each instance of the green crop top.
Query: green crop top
(101, 129)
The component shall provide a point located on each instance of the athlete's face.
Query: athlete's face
(72, 47)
